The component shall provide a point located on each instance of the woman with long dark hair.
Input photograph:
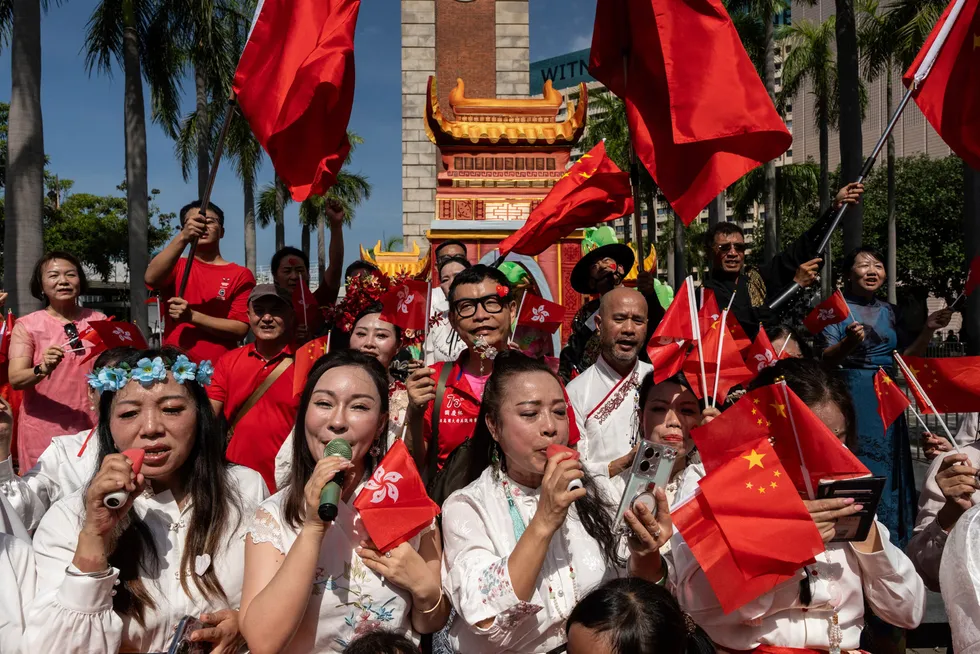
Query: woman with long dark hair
(119, 580)
(312, 585)
(522, 545)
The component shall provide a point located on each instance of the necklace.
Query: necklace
(834, 634)
(517, 522)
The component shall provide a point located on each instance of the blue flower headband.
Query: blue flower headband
(148, 372)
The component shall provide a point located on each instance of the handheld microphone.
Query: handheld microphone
(555, 449)
(120, 497)
(330, 495)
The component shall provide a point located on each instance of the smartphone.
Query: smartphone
(865, 491)
(651, 469)
(182, 644)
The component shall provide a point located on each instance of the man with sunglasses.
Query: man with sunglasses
(481, 309)
(754, 287)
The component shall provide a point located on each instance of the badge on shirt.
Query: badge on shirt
(225, 284)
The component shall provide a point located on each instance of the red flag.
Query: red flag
(593, 191)
(405, 304)
(891, 401)
(952, 384)
(748, 527)
(306, 356)
(732, 370)
(710, 313)
(667, 356)
(306, 308)
(116, 334)
(776, 412)
(762, 354)
(295, 86)
(829, 312)
(540, 314)
(6, 327)
(946, 75)
(94, 341)
(699, 115)
(972, 278)
(393, 504)
(678, 320)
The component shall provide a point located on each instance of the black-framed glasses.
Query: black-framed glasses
(71, 331)
(727, 247)
(467, 307)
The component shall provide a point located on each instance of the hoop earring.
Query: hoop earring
(375, 451)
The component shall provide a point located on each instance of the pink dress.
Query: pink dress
(58, 404)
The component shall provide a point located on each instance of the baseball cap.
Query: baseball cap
(270, 290)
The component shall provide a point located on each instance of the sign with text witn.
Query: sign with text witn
(564, 71)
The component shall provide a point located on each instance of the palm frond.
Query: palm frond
(103, 38)
(266, 210)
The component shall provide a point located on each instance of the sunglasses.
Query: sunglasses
(728, 247)
(71, 331)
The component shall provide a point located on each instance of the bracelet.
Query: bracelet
(432, 610)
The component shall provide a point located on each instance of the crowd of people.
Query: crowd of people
(172, 494)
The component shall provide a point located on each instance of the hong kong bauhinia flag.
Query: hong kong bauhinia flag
(946, 78)
(405, 305)
(117, 334)
(699, 115)
(393, 504)
(829, 312)
(295, 85)
(762, 354)
(592, 191)
(540, 313)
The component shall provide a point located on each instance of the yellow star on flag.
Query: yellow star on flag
(755, 411)
(755, 400)
(775, 473)
(754, 459)
(585, 175)
(773, 484)
(762, 489)
(760, 422)
(915, 373)
(585, 156)
(563, 176)
(780, 409)
(748, 485)
(887, 379)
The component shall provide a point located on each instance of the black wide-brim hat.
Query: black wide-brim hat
(621, 254)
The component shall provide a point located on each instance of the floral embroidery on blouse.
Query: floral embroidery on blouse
(624, 390)
(265, 529)
(494, 583)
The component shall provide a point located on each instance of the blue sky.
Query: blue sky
(83, 128)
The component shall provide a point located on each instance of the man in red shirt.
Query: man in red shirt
(259, 408)
(481, 308)
(212, 317)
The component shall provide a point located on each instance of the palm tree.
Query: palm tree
(129, 32)
(246, 153)
(25, 165)
(272, 202)
(851, 114)
(796, 186)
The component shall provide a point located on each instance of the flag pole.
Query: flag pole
(782, 347)
(206, 198)
(721, 347)
(635, 183)
(696, 335)
(796, 437)
(869, 163)
(915, 411)
(911, 378)
(518, 319)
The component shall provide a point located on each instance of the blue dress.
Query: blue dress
(886, 453)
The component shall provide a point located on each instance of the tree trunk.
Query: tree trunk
(23, 229)
(305, 240)
(203, 132)
(280, 220)
(321, 246)
(891, 266)
(851, 137)
(971, 225)
(680, 255)
(248, 190)
(716, 210)
(827, 272)
(137, 193)
(769, 169)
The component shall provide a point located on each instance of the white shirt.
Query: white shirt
(841, 577)
(59, 472)
(74, 613)
(17, 579)
(347, 599)
(478, 537)
(959, 577)
(442, 343)
(607, 414)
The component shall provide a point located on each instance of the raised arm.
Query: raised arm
(161, 268)
(330, 279)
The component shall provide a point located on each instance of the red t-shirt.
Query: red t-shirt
(261, 432)
(460, 409)
(218, 291)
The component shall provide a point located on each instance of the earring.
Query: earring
(375, 451)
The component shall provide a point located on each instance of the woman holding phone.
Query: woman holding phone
(120, 580)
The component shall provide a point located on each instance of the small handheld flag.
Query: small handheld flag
(829, 312)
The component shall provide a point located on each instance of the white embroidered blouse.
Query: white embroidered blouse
(17, 579)
(478, 536)
(347, 599)
(74, 613)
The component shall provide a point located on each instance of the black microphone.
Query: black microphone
(330, 495)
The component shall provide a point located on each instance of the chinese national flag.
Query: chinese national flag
(6, 327)
(678, 320)
(540, 314)
(762, 532)
(710, 313)
(829, 312)
(762, 354)
(972, 277)
(592, 191)
(891, 401)
(667, 356)
(699, 115)
(115, 334)
(947, 82)
(393, 504)
(295, 86)
(405, 304)
(730, 372)
(952, 384)
(306, 356)
(306, 308)
(765, 413)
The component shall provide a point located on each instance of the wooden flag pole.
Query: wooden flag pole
(206, 198)
(635, 183)
(911, 378)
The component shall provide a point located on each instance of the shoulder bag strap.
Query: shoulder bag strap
(432, 456)
(257, 394)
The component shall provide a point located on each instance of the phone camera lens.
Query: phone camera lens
(648, 453)
(644, 466)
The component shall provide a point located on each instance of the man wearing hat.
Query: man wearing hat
(604, 266)
(252, 387)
